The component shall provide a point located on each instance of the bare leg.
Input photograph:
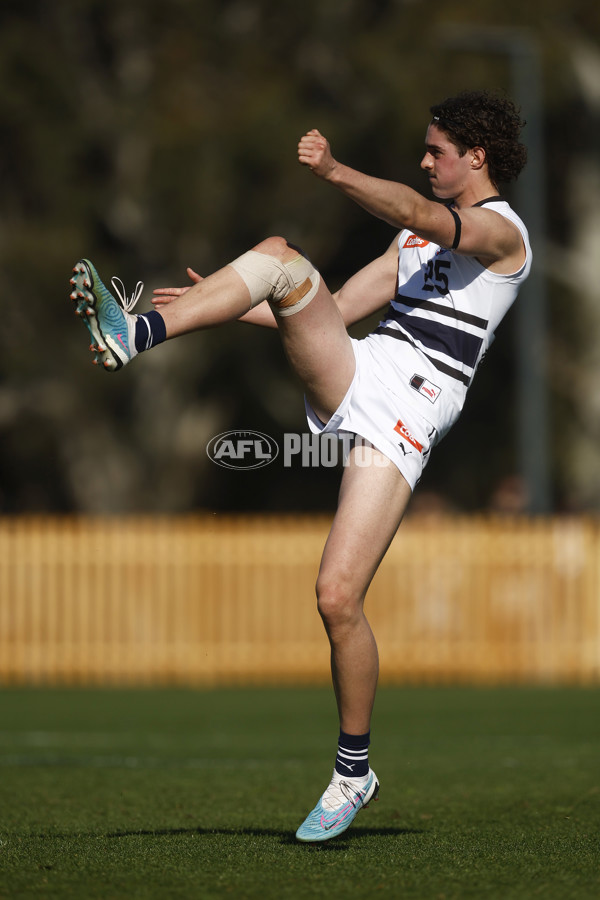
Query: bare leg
(372, 502)
(315, 339)
(373, 498)
(219, 298)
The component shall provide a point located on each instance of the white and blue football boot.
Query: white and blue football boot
(109, 322)
(338, 806)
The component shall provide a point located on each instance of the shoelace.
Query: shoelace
(337, 794)
(119, 288)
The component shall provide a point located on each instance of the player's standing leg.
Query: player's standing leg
(373, 499)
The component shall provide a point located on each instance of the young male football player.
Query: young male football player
(447, 280)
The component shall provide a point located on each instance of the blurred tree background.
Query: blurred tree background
(151, 135)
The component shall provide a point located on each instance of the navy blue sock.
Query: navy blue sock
(150, 330)
(352, 757)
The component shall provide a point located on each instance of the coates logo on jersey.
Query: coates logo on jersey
(415, 241)
(242, 449)
(403, 431)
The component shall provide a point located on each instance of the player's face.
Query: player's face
(448, 172)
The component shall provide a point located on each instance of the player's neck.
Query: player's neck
(475, 193)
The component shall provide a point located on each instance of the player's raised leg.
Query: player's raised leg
(373, 499)
(118, 335)
(310, 324)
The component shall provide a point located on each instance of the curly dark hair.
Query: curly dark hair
(488, 120)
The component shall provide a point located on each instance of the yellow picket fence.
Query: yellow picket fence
(213, 600)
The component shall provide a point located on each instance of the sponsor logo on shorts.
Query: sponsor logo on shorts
(425, 387)
(415, 241)
(405, 434)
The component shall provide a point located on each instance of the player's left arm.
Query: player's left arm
(163, 296)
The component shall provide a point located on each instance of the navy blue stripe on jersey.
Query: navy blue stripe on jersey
(440, 366)
(459, 345)
(448, 311)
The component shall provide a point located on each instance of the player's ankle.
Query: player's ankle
(150, 330)
(352, 760)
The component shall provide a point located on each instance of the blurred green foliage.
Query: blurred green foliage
(153, 135)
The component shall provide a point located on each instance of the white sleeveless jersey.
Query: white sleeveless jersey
(439, 326)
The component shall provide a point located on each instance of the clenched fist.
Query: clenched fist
(314, 151)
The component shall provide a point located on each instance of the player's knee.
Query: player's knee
(278, 247)
(277, 272)
(337, 603)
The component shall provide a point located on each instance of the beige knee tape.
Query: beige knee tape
(288, 287)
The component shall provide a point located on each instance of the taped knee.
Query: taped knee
(288, 287)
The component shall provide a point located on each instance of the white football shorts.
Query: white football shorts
(390, 419)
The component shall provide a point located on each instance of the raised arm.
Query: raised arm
(490, 237)
(395, 203)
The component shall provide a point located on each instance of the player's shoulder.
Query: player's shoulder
(495, 235)
(499, 206)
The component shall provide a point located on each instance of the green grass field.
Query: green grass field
(197, 794)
